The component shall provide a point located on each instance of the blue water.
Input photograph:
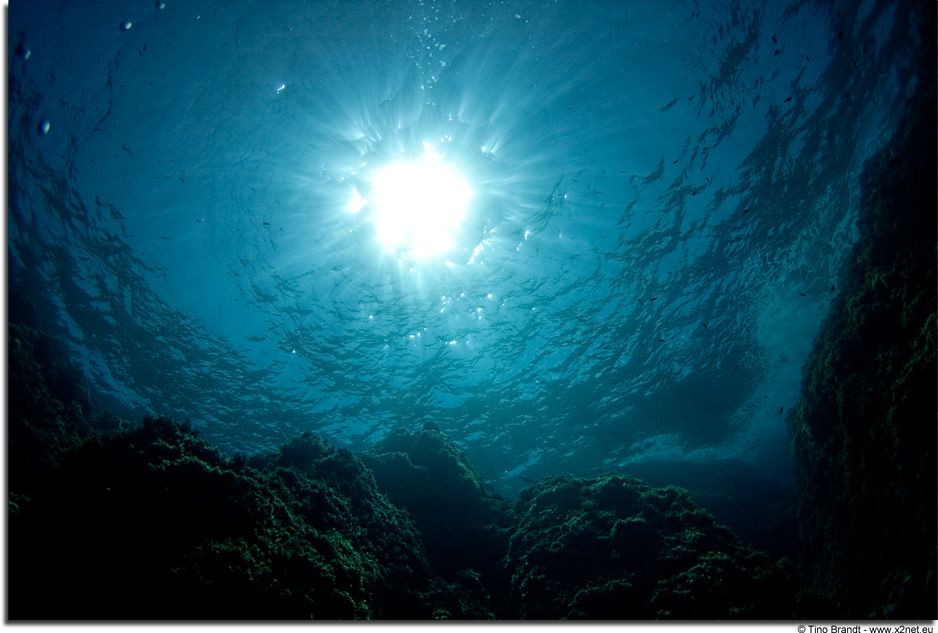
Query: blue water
(663, 196)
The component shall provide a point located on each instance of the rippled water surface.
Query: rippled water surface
(662, 197)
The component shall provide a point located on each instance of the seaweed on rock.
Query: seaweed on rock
(613, 547)
(759, 510)
(174, 530)
(50, 406)
(464, 527)
(864, 434)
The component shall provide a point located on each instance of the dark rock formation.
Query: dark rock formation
(464, 527)
(864, 433)
(156, 524)
(760, 511)
(613, 547)
(49, 407)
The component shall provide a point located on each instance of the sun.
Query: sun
(417, 205)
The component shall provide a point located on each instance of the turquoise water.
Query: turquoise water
(663, 195)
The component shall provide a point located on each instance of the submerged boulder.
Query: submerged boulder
(613, 547)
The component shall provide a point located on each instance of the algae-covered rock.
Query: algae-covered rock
(613, 547)
(464, 527)
(156, 524)
(759, 510)
(864, 434)
(49, 410)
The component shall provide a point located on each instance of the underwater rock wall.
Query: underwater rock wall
(864, 433)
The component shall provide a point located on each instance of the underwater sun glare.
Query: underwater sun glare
(418, 205)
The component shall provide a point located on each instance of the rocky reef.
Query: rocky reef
(864, 434)
(152, 522)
